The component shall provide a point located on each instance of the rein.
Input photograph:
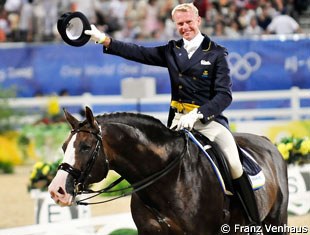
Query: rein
(138, 186)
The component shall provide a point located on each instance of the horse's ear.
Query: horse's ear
(90, 117)
(74, 123)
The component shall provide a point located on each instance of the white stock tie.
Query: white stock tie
(190, 49)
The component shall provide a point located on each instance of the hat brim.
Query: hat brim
(71, 27)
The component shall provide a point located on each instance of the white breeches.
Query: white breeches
(223, 137)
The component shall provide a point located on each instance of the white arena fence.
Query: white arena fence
(100, 225)
(297, 108)
(158, 105)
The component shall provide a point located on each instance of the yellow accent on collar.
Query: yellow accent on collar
(208, 47)
(183, 106)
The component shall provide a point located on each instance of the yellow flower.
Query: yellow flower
(45, 169)
(53, 107)
(38, 165)
(11, 152)
(289, 146)
(305, 147)
(283, 149)
(33, 174)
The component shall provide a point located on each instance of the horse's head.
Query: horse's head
(84, 162)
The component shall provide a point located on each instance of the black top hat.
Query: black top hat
(71, 26)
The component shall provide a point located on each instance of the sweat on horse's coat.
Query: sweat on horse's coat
(188, 200)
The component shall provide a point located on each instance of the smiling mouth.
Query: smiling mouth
(187, 34)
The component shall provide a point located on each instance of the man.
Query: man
(283, 24)
(200, 85)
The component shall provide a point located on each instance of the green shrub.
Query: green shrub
(124, 231)
(6, 112)
(6, 167)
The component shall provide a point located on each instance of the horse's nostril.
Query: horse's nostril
(61, 191)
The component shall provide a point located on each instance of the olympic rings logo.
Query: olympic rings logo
(242, 67)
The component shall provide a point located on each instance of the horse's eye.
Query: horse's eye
(85, 148)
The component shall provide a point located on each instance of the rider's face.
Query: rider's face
(187, 24)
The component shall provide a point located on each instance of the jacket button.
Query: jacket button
(180, 87)
(194, 78)
(193, 102)
(180, 75)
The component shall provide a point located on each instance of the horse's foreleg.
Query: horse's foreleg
(145, 221)
(151, 222)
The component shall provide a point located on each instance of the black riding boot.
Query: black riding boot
(245, 193)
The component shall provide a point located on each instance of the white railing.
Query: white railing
(295, 111)
(101, 225)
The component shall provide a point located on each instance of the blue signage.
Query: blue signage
(49, 68)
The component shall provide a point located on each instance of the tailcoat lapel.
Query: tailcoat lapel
(181, 56)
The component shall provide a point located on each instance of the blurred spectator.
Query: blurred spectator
(232, 11)
(4, 25)
(283, 24)
(253, 28)
(35, 20)
(165, 18)
(233, 30)
(264, 16)
(219, 29)
(12, 7)
(108, 22)
(130, 31)
(117, 10)
(25, 22)
(202, 6)
(88, 7)
(291, 9)
(211, 14)
(50, 7)
(244, 17)
(301, 5)
(150, 17)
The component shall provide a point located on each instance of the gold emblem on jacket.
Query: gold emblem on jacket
(205, 74)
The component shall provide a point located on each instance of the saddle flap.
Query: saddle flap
(219, 163)
(252, 168)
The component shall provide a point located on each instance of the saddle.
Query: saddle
(220, 164)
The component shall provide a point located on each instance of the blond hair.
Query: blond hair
(185, 7)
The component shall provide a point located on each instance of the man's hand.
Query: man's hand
(96, 35)
(188, 120)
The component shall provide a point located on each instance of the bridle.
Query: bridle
(80, 176)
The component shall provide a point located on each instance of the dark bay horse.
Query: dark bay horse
(188, 199)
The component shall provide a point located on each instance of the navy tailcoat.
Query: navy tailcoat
(202, 80)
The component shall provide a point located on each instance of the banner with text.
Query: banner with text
(50, 68)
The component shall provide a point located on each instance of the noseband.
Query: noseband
(80, 176)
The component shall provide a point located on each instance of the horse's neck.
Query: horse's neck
(137, 163)
(134, 155)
